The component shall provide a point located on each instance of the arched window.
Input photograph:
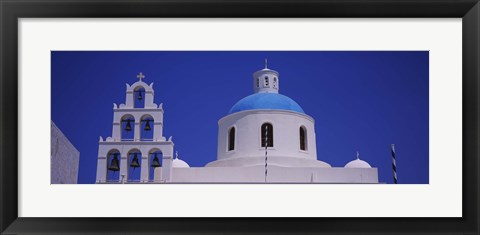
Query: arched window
(146, 128)
(267, 135)
(139, 97)
(113, 165)
(127, 126)
(134, 165)
(155, 163)
(303, 138)
(258, 82)
(266, 81)
(231, 139)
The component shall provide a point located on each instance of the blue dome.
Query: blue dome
(266, 101)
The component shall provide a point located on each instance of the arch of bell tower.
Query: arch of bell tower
(149, 93)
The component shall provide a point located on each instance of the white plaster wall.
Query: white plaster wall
(124, 148)
(286, 138)
(256, 174)
(64, 158)
(271, 160)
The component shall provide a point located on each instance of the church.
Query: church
(266, 137)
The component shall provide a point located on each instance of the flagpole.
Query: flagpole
(394, 165)
(266, 146)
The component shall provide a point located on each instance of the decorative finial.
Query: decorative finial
(176, 154)
(140, 76)
(266, 63)
(358, 155)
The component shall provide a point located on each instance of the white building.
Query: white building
(64, 158)
(266, 137)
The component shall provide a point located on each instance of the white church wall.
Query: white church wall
(272, 160)
(287, 162)
(286, 137)
(256, 174)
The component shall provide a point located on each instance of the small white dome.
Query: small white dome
(357, 163)
(177, 163)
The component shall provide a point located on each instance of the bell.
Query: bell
(147, 126)
(155, 162)
(134, 162)
(140, 96)
(128, 127)
(114, 164)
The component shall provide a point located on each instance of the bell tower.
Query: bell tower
(137, 141)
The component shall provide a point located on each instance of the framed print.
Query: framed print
(239, 117)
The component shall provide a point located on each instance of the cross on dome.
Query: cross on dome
(358, 155)
(266, 63)
(140, 76)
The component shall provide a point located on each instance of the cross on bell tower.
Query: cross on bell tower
(140, 76)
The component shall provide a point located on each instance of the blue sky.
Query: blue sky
(361, 101)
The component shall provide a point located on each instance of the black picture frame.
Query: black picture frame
(12, 10)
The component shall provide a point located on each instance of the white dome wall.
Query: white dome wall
(286, 139)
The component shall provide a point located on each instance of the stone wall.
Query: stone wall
(64, 158)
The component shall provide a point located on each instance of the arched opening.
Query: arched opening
(146, 127)
(266, 84)
(134, 165)
(127, 126)
(266, 135)
(154, 162)
(303, 138)
(231, 139)
(139, 97)
(113, 166)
